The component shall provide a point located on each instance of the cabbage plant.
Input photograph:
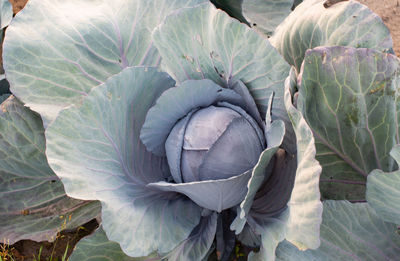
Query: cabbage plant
(195, 131)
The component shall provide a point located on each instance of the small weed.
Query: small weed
(55, 241)
(6, 251)
(238, 252)
(51, 258)
(64, 258)
(40, 253)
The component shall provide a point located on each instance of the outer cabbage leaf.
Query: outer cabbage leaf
(383, 191)
(296, 3)
(97, 247)
(6, 13)
(33, 204)
(349, 232)
(96, 150)
(305, 207)
(232, 7)
(205, 43)
(56, 51)
(298, 222)
(347, 96)
(4, 97)
(274, 133)
(215, 195)
(250, 105)
(248, 237)
(4, 85)
(198, 244)
(346, 23)
(272, 230)
(225, 237)
(266, 15)
(263, 15)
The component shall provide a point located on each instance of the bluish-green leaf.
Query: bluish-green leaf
(4, 97)
(272, 230)
(225, 237)
(56, 51)
(266, 15)
(305, 207)
(347, 23)
(262, 15)
(99, 248)
(205, 43)
(6, 13)
(215, 195)
(296, 3)
(232, 7)
(198, 243)
(349, 232)
(259, 175)
(383, 191)
(33, 204)
(248, 237)
(4, 85)
(347, 96)
(250, 104)
(96, 150)
(299, 222)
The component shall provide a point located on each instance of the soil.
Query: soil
(388, 10)
(28, 250)
(18, 5)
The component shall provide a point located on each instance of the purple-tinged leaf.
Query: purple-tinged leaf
(347, 23)
(383, 191)
(96, 150)
(33, 203)
(349, 232)
(348, 98)
(56, 51)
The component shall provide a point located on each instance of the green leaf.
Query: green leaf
(33, 204)
(272, 232)
(383, 191)
(6, 13)
(296, 3)
(266, 15)
(96, 150)
(347, 96)
(262, 15)
(98, 247)
(4, 85)
(4, 97)
(305, 207)
(205, 43)
(298, 223)
(198, 243)
(56, 51)
(232, 7)
(347, 23)
(215, 195)
(349, 232)
(260, 173)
